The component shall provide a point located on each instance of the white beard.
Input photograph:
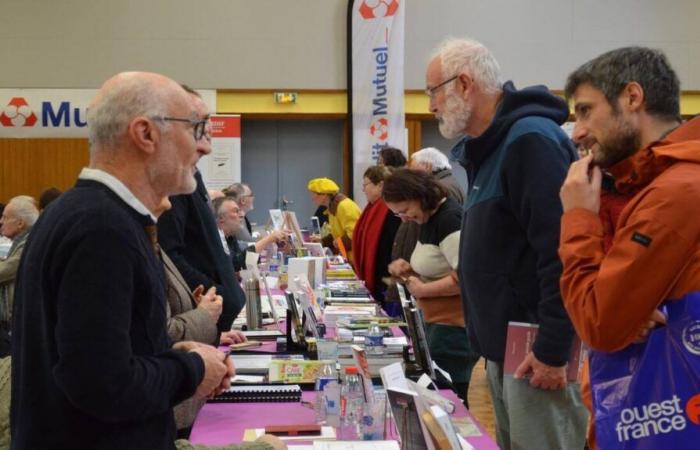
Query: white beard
(454, 120)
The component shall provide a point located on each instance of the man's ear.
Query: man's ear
(144, 134)
(464, 84)
(632, 97)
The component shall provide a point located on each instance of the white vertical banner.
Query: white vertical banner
(377, 54)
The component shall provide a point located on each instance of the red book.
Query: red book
(519, 342)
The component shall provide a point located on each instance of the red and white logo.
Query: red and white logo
(375, 9)
(17, 113)
(380, 129)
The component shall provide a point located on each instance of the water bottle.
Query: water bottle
(374, 340)
(274, 258)
(325, 376)
(331, 397)
(253, 308)
(351, 404)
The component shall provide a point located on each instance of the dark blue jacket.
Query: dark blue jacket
(509, 268)
(188, 233)
(92, 366)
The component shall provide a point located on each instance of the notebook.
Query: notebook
(259, 393)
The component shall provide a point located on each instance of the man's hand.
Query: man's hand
(232, 337)
(211, 303)
(581, 188)
(218, 369)
(279, 235)
(186, 346)
(542, 375)
(656, 318)
(197, 293)
(400, 268)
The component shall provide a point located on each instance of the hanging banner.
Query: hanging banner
(53, 113)
(377, 87)
(222, 167)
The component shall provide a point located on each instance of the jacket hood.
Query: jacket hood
(680, 145)
(515, 104)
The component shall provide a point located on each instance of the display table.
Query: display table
(224, 423)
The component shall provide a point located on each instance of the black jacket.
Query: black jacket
(189, 235)
(92, 366)
(509, 268)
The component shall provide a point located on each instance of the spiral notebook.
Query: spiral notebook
(259, 393)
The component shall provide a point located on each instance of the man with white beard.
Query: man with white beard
(516, 157)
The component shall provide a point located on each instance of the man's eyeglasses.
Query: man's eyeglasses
(431, 90)
(199, 127)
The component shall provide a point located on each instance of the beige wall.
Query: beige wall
(247, 44)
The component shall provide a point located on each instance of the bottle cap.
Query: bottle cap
(352, 370)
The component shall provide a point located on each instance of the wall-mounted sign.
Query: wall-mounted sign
(53, 113)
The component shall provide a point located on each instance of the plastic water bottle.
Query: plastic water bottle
(274, 258)
(325, 376)
(374, 340)
(351, 404)
(331, 396)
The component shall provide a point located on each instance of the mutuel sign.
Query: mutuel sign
(29, 113)
(52, 113)
(18, 113)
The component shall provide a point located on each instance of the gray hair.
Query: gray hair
(238, 189)
(217, 203)
(612, 71)
(460, 55)
(25, 209)
(432, 156)
(108, 118)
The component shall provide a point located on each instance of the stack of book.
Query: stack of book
(363, 322)
(368, 364)
(335, 273)
(332, 313)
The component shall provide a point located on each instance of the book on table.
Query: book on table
(356, 445)
(263, 335)
(259, 393)
(407, 408)
(440, 428)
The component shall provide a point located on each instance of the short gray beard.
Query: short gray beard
(454, 120)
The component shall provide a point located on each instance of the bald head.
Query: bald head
(143, 131)
(127, 96)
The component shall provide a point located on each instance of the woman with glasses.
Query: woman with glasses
(430, 275)
(342, 213)
(373, 238)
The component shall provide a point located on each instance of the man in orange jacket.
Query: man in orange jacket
(627, 111)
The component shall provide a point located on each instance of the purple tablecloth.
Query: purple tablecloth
(224, 423)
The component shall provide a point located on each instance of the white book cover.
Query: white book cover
(443, 420)
(356, 445)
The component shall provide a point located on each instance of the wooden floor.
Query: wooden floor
(480, 398)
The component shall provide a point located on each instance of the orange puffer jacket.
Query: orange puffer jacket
(655, 252)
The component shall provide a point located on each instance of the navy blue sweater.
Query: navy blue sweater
(509, 268)
(92, 366)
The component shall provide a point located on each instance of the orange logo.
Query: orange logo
(17, 113)
(380, 129)
(376, 9)
(692, 409)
